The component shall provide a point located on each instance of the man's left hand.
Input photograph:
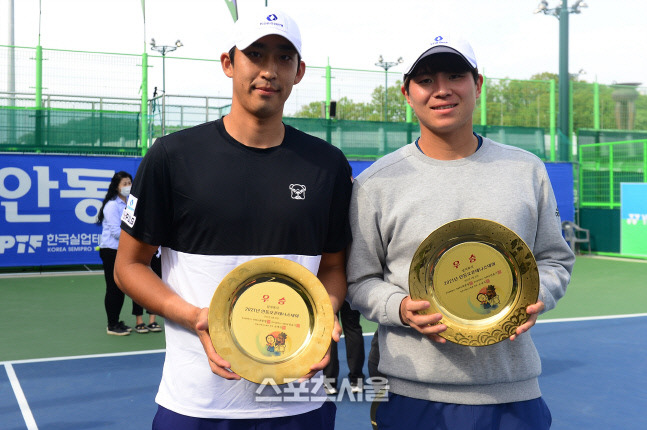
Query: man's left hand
(336, 335)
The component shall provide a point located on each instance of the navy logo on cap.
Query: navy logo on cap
(272, 17)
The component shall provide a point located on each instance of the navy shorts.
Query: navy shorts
(402, 412)
(319, 419)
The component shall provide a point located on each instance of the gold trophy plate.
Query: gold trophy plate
(271, 319)
(480, 275)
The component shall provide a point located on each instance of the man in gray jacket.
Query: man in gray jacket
(450, 173)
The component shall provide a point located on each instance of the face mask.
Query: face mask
(125, 191)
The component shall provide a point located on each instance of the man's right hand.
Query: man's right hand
(218, 365)
(429, 324)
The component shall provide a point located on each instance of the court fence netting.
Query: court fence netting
(57, 101)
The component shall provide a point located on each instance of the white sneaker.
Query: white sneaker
(330, 391)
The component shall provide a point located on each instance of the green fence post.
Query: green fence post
(553, 115)
(611, 193)
(580, 179)
(39, 77)
(409, 121)
(38, 129)
(645, 160)
(328, 99)
(144, 105)
(328, 88)
(570, 115)
(596, 106)
(484, 102)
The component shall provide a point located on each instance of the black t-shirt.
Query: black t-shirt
(200, 191)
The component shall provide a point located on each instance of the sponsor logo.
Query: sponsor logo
(634, 219)
(298, 191)
(273, 20)
(438, 40)
(23, 243)
(132, 203)
(128, 217)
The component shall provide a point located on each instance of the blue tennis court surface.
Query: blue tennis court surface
(594, 377)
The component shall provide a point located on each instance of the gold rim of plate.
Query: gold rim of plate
(271, 319)
(480, 275)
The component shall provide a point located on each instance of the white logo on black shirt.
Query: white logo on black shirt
(128, 216)
(298, 191)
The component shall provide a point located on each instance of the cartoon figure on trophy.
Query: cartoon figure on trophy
(275, 343)
(270, 343)
(280, 343)
(488, 298)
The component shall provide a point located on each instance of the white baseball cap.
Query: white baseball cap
(444, 44)
(249, 28)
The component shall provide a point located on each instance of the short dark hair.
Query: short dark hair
(441, 62)
(233, 50)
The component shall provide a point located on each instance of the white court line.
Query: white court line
(604, 317)
(31, 423)
(155, 351)
(49, 274)
(80, 357)
(20, 397)
(637, 259)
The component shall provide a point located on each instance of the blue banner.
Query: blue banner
(49, 204)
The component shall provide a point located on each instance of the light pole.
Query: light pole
(11, 76)
(163, 49)
(386, 65)
(561, 12)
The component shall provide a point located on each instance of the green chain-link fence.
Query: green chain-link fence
(89, 102)
(604, 166)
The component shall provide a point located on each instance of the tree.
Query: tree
(84, 128)
(519, 103)
(347, 109)
(396, 103)
(510, 102)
